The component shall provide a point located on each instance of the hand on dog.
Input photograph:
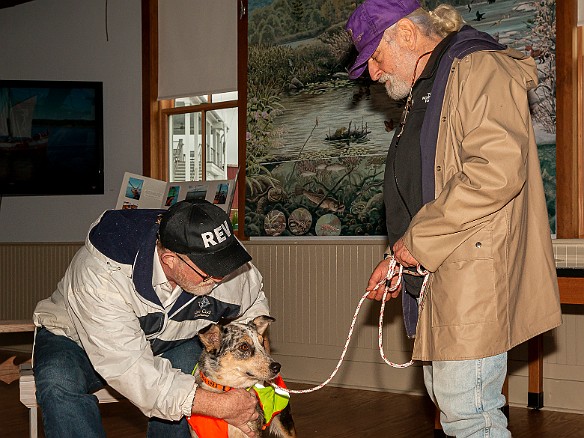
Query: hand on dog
(241, 409)
(237, 407)
(379, 273)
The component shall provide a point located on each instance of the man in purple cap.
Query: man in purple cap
(464, 200)
(127, 313)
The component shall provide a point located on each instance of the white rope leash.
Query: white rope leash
(391, 272)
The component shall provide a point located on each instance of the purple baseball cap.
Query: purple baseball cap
(367, 24)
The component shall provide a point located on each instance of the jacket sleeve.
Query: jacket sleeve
(110, 333)
(489, 115)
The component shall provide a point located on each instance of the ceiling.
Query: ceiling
(9, 3)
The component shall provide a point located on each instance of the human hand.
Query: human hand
(402, 255)
(237, 407)
(378, 276)
(240, 409)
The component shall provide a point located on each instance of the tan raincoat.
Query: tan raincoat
(485, 238)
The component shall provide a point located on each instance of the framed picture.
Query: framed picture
(51, 138)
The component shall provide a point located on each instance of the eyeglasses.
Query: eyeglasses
(205, 277)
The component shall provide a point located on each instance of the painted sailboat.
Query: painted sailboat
(16, 127)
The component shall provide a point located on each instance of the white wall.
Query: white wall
(66, 40)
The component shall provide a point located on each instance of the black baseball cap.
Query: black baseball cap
(203, 232)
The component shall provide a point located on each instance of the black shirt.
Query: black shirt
(402, 187)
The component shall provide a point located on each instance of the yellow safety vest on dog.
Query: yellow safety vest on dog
(272, 401)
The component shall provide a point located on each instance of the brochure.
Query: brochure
(139, 191)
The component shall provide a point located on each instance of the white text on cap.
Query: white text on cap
(208, 237)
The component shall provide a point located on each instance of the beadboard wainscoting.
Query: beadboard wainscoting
(29, 272)
(313, 286)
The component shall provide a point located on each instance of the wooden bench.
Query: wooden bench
(9, 372)
(571, 284)
(28, 397)
(8, 369)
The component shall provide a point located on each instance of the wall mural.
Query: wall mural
(317, 141)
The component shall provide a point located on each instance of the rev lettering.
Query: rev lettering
(218, 235)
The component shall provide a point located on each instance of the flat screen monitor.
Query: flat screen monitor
(51, 137)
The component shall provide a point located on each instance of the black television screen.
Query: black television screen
(51, 137)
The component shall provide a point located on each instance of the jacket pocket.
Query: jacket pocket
(463, 288)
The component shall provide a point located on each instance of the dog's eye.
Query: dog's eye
(244, 347)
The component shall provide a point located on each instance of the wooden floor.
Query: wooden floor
(330, 412)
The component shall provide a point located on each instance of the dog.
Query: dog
(234, 356)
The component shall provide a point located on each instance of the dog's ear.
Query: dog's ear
(262, 322)
(210, 336)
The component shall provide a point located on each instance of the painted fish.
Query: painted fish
(335, 167)
(322, 201)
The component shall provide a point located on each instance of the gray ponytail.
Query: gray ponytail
(443, 20)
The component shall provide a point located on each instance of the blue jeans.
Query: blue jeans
(65, 381)
(468, 394)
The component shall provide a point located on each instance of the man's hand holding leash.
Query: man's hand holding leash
(402, 254)
(379, 273)
(403, 257)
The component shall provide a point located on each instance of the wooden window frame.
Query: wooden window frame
(569, 120)
(569, 159)
(203, 108)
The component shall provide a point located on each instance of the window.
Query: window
(202, 138)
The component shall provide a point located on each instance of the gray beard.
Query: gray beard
(201, 289)
(394, 88)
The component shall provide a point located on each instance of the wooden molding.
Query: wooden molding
(580, 129)
(568, 193)
(571, 290)
(149, 86)
(242, 29)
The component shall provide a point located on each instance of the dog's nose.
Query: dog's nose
(275, 367)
